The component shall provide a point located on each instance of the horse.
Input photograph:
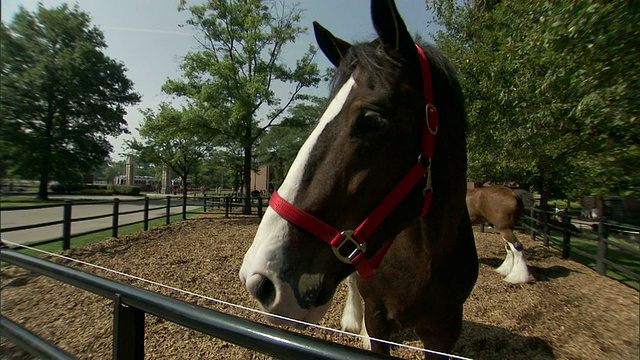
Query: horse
(386, 164)
(502, 207)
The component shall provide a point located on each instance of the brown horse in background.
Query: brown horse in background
(502, 207)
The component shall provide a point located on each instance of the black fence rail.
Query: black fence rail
(162, 207)
(233, 204)
(609, 244)
(132, 303)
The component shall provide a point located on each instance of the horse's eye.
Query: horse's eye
(368, 123)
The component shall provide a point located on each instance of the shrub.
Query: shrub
(124, 189)
(66, 188)
(105, 192)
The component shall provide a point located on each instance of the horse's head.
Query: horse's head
(366, 141)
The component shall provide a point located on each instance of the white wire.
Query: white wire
(186, 292)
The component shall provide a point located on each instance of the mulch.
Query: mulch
(567, 311)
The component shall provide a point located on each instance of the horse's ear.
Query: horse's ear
(391, 29)
(334, 48)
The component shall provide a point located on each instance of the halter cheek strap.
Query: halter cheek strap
(350, 245)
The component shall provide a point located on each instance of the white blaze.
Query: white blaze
(290, 185)
(265, 256)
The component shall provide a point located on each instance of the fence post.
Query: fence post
(259, 206)
(116, 214)
(128, 332)
(66, 227)
(227, 205)
(146, 213)
(204, 203)
(545, 227)
(168, 210)
(184, 207)
(603, 234)
(534, 224)
(566, 238)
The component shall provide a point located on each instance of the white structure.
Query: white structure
(130, 170)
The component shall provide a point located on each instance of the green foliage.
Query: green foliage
(281, 143)
(102, 192)
(95, 189)
(172, 137)
(124, 189)
(231, 79)
(552, 91)
(61, 95)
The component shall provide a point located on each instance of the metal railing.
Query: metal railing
(132, 303)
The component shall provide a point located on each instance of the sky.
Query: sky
(147, 37)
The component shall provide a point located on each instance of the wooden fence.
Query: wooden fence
(614, 246)
(189, 205)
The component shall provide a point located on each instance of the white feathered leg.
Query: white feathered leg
(519, 272)
(353, 313)
(507, 264)
(366, 340)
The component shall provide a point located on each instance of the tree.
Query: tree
(170, 139)
(61, 95)
(232, 78)
(281, 143)
(550, 89)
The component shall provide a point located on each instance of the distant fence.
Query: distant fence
(199, 205)
(609, 244)
(132, 303)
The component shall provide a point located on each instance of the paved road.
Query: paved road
(35, 216)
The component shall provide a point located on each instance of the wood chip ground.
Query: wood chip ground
(567, 312)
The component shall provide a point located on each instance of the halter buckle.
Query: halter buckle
(347, 237)
(427, 186)
(435, 112)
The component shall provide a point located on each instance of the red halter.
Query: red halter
(358, 237)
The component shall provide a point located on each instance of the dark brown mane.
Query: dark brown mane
(367, 56)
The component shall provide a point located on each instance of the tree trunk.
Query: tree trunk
(246, 209)
(45, 167)
(43, 189)
(545, 191)
(184, 185)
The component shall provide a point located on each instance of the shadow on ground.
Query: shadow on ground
(479, 341)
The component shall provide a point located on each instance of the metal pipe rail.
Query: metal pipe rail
(31, 342)
(132, 302)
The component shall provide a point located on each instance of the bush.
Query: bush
(124, 189)
(105, 192)
(95, 189)
(66, 188)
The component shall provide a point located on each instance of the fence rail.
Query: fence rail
(603, 235)
(208, 204)
(132, 303)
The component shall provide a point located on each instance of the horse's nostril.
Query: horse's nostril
(262, 289)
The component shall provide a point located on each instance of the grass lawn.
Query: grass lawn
(614, 254)
(26, 201)
(56, 247)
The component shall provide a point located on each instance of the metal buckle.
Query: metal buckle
(348, 238)
(432, 131)
(427, 186)
(426, 162)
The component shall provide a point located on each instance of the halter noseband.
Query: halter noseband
(357, 238)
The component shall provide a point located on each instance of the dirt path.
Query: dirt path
(569, 312)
